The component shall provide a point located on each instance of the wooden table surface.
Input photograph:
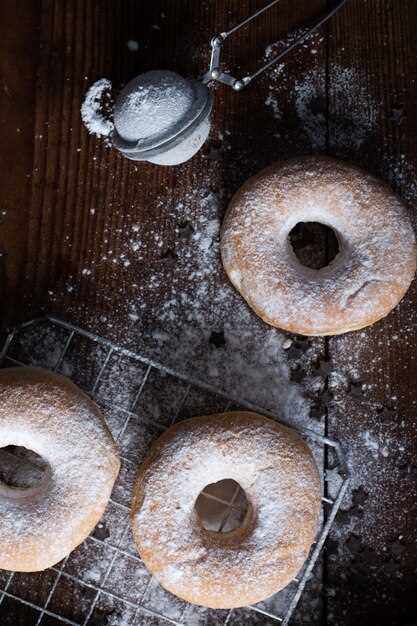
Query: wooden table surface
(100, 241)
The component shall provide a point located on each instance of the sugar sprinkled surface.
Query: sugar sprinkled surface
(351, 128)
(151, 104)
(32, 519)
(44, 346)
(93, 109)
(148, 109)
(374, 268)
(340, 385)
(286, 505)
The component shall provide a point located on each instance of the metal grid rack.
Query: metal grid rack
(105, 575)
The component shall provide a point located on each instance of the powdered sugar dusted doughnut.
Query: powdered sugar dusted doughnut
(223, 570)
(49, 415)
(376, 261)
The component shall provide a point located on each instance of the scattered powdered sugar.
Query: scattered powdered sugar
(354, 119)
(94, 109)
(311, 44)
(311, 116)
(286, 504)
(403, 176)
(218, 337)
(273, 103)
(375, 434)
(43, 344)
(371, 443)
(132, 45)
(352, 123)
(75, 437)
(201, 326)
(375, 265)
(151, 104)
(148, 109)
(349, 123)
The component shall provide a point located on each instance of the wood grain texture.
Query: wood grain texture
(75, 211)
(373, 547)
(74, 174)
(19, 33)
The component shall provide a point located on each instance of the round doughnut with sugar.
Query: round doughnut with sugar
(273, 465)
(377, 256)
(48, 415)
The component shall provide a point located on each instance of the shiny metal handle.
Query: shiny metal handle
(217, 74)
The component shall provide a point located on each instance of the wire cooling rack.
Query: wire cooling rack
(104, 581)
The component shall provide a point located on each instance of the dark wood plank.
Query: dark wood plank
(88, 209)
(76, 212)
(74, 174)
(20, 43)
(371, 574)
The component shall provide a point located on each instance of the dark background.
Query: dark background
(68, 204)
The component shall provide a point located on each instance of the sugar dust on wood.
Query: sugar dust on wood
(199, 303)
(97, 107)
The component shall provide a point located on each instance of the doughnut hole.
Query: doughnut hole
(222, 507)
(22, 471)
(315, 245)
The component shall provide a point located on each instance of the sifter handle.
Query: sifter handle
(215, 73)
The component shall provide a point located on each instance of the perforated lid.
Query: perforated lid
(154, 108)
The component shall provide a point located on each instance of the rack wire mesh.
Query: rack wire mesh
(104, 581)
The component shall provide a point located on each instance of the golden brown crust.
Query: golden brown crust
(273, 465)
(49, 415)
(363, 284)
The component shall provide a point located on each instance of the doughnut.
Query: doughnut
(48, 415)
(218, 570)
(377, 256)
